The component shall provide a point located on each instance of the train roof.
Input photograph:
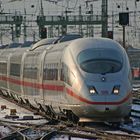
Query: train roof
(17, 45)
(56, 40)
(43, 42)
(96, 43)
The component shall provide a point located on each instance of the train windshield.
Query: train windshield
(100, 61)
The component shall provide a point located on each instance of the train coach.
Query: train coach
(86, 78)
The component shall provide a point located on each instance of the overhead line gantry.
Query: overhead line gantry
(63, 21)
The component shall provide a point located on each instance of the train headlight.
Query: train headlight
(92, 90)
(116, 90)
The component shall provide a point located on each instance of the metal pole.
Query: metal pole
(80, 18)
(104, 18)
(41, 6)
(24, 24)
(1, 37)
(34, 36)
(13, 33)
(91, 18)
(124, 37)
(113, 22)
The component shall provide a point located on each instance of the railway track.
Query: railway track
(135, 111)
(136, 95)
(67, 129)
(58, 131)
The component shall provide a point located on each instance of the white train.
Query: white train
(88, 78)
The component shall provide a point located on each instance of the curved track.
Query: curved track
(62, 126)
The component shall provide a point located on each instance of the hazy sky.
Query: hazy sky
(32, 6)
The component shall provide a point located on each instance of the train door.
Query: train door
(8, 72)
(3, 70)
(52, 86)
(41, 66)
(14, 73)
(21, 75)
(31, 86)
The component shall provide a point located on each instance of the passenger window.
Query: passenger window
(30, 72)
(3, 68)
(15, 69)
(31, 66)
(50, 72)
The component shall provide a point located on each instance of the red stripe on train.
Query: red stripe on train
(61, 88)
(71, 93)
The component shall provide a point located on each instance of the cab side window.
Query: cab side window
(66, 74)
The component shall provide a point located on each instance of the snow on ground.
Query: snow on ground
(66, 137)
(23, 112)
(4, 130)
(136, 107)
(134, 127)
(20, 113)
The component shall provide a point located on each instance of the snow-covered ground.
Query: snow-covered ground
(20, 112)
(23, 112)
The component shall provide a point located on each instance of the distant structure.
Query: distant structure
(47, 23)
(80, 20)
(70, 20)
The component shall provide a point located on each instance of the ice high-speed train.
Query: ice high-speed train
(87, 77)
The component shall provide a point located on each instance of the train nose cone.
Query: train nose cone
(107, 109)
(103, 79)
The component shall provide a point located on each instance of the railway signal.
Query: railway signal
(124, 20)
(43, 32)
(110, 34)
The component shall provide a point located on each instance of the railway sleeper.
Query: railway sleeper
(55, 117)
(33, 107)
(27, 101)
(8, 95)
(3, 94)
(15, 136)
(49, 111)
(14, 98)
(71, 116)
(22, 101)
(30, 105)
(41, 108)
(62, 117)
(49, 135)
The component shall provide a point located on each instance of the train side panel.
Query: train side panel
(14, 73)
(53, 86)
(3, 69)
(30, 82)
